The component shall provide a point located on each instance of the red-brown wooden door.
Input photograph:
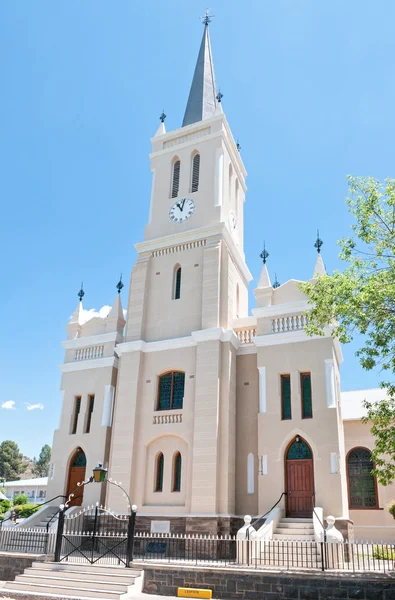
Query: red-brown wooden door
(76, 475)
(300, 487)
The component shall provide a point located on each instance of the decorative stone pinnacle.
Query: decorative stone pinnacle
(162, 117)
(120, 284)
(219, 96)
(276, 283)
(318, 243)
(264, 254)
(207, 17)
(81, 293)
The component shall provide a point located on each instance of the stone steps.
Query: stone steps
(294, 530)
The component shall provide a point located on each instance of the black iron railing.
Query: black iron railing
(254, 523)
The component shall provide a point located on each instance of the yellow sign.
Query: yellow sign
(194, 593)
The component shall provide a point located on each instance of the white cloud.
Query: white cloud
(9, 405)
(34, 406)
(87, 315)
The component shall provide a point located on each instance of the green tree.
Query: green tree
(41, 465)
(11, 461)
(361, 299)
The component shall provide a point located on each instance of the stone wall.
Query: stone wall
(13, 563)
(190, 525)
(257, 585)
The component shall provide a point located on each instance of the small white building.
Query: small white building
(34, 489)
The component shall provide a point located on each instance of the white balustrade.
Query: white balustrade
(166, 419)
(246, 334)
(289, 323)
(89, 353)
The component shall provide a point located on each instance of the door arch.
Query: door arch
(77, 468)
(299, 478)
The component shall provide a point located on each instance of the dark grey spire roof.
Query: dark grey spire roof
(201, 102)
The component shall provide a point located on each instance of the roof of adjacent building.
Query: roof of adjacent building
(39, 481)
(2, 497)
(352, 402)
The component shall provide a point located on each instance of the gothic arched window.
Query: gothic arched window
(195, 172)
(362, 488)
(159, 468)
(175, 179)
(177, 463)
(177, 282)
(171, 390)
(299, 450)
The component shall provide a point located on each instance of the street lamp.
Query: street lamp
(99, 473)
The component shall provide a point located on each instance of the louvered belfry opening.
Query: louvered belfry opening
(175, 186)
(195, 173)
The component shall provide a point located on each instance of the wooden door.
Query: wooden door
(300, 487)
(76, 475)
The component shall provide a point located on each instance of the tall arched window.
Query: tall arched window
(171, 390)
(237, 301)
(176, 282)
(159, 467)
(177, 463)
(362, 488)
(250, 473)
(195, 172)
(175, 180)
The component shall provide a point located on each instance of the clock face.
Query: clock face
(232, 221)
(181, 210)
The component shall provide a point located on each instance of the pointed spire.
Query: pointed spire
(202, 99)
(264, 279)
(161, 129)
(319, 268)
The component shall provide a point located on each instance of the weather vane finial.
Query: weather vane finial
(318, 242)
(163, 116)
(276, 283)
(219, 96)
(264, 254)
(81, 293)
(120, 284)
(207, 17)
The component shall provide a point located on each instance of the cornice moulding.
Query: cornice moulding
(277, 310)
(92, 340)
(96, 363)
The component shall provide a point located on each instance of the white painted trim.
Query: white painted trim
(264, 464)
(219, 176)
(250, 474)
(62, 393)
(241, 322)
(286, 337)
(96, 363)
(334, 463)
(108, 401)
(246, 349)
(330, 383)
(262, 389)
(92, 340)
(153, 171)
(276, 310)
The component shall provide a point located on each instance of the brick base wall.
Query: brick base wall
(257, 585)
(12, 564)
(203, 525)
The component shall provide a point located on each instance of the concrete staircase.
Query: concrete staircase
(48, 515)
(78, 580)
(293, 544)
(300, 530)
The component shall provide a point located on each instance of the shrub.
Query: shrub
(20, 499)
(26, 510)
(391, 508)
(384, 552)
(5, 506)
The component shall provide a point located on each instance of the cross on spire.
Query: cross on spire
(162, 117)
(207, 17)
(81, 293)
(219, 96)
(318, 242)
(119, 285)
(264, 254)
(276, 283)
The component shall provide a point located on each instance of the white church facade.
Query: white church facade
(204, 412)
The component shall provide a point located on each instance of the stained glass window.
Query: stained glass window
(305, 387)
(171, 391)
(159, 472)
(176, 179)
(361, 482)
(299, 450)
(177, 284)
(79, 459)
(177, 472)
(286, 397)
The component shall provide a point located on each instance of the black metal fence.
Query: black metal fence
(27, 541)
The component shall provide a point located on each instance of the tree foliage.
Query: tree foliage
(41, 465)
(11, 461)
(361, 299)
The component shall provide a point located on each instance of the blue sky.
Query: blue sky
(312, 84)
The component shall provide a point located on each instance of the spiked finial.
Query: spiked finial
(219, 96)
(238, 146)
(81, 293)
(120, 284)
(318, 242)
(162, 117)
(276, 283)
(264, 254)
(207, 17)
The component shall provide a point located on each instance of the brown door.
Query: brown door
(300, 487)
(76, 475)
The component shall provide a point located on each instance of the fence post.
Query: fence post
(131, 531)
(59, 533)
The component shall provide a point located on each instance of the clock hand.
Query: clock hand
(179, 205)
(183, 202)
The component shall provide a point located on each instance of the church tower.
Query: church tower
(173, 442)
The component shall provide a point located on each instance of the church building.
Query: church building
(202, 411)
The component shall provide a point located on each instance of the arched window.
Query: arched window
(237, 300)
(79, 459)
(175, 180)
(171, 390)
(250, 473)
(177, 282)
(159, 467)
(362, 488)
(299, 450)
(177, 463)
(195, 173)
